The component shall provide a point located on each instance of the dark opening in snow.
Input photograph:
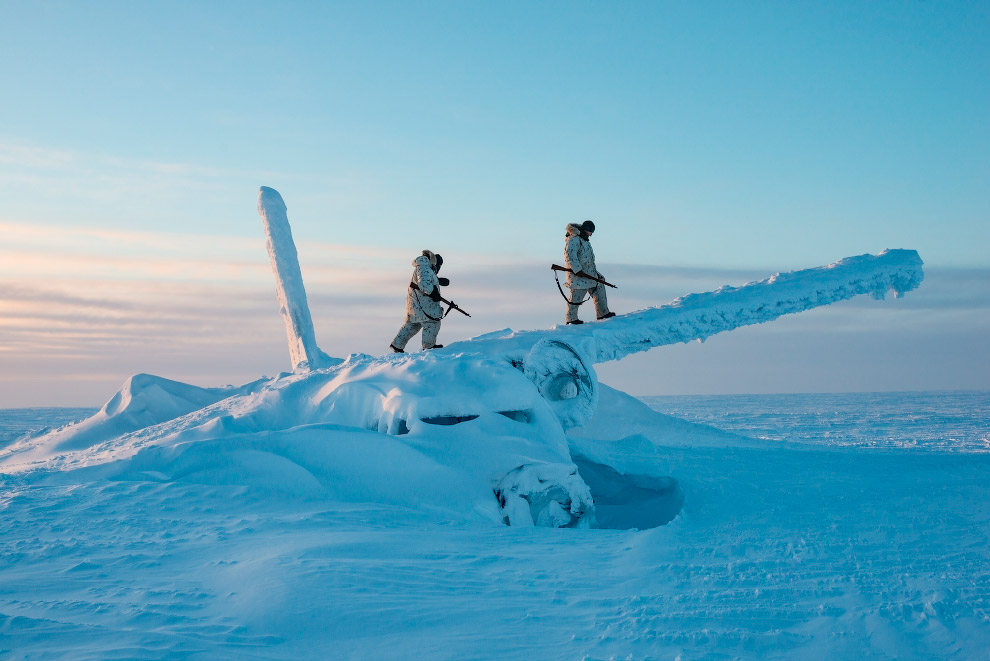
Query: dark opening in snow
(623, 502)
(448, 419)
(518, 416)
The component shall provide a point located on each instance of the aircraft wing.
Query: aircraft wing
(699, 316)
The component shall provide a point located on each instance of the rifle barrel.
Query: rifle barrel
(557, 267)
(450, 304)
(453, 306)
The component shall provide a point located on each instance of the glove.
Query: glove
(435, 294)
(444, 281)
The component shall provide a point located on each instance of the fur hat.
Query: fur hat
(436, 261)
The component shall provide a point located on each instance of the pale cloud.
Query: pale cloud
(32, 157)
(32, 252)
(53, 161)
(74, 188)
(64, 188)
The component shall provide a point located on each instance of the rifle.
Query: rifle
(450, 304)
(555, 267)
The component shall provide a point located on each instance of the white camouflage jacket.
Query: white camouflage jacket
(419, 306)
(579, 256)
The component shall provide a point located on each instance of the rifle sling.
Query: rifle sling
(419, 293)
(566, 298)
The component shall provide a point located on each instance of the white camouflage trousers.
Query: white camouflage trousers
(597, 295)
(430, 331)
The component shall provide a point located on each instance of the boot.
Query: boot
(435, 346)
(607, 315)
(576, 321)
(395, 349)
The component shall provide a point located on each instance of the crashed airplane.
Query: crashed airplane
(501, 402)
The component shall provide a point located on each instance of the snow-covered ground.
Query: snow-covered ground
(324, 541)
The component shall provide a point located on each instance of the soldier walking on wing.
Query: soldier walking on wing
(423, 310)
(583, 277)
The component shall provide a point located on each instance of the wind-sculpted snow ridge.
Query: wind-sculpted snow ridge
(478, 422)
(699, 316)
(146, 409)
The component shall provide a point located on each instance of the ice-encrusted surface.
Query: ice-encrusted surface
(699, 316)
(289, 288)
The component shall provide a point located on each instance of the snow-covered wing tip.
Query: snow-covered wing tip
(699, 316)
(289, 289)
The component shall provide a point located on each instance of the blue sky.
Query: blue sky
(726, 140)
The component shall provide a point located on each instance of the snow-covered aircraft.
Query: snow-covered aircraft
(500, 402)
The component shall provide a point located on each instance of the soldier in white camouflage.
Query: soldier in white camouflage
(584, 277)
(423, 310)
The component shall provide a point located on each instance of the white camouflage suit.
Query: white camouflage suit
(421, 310)
(579, 256)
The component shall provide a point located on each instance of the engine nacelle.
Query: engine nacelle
(566, 380)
